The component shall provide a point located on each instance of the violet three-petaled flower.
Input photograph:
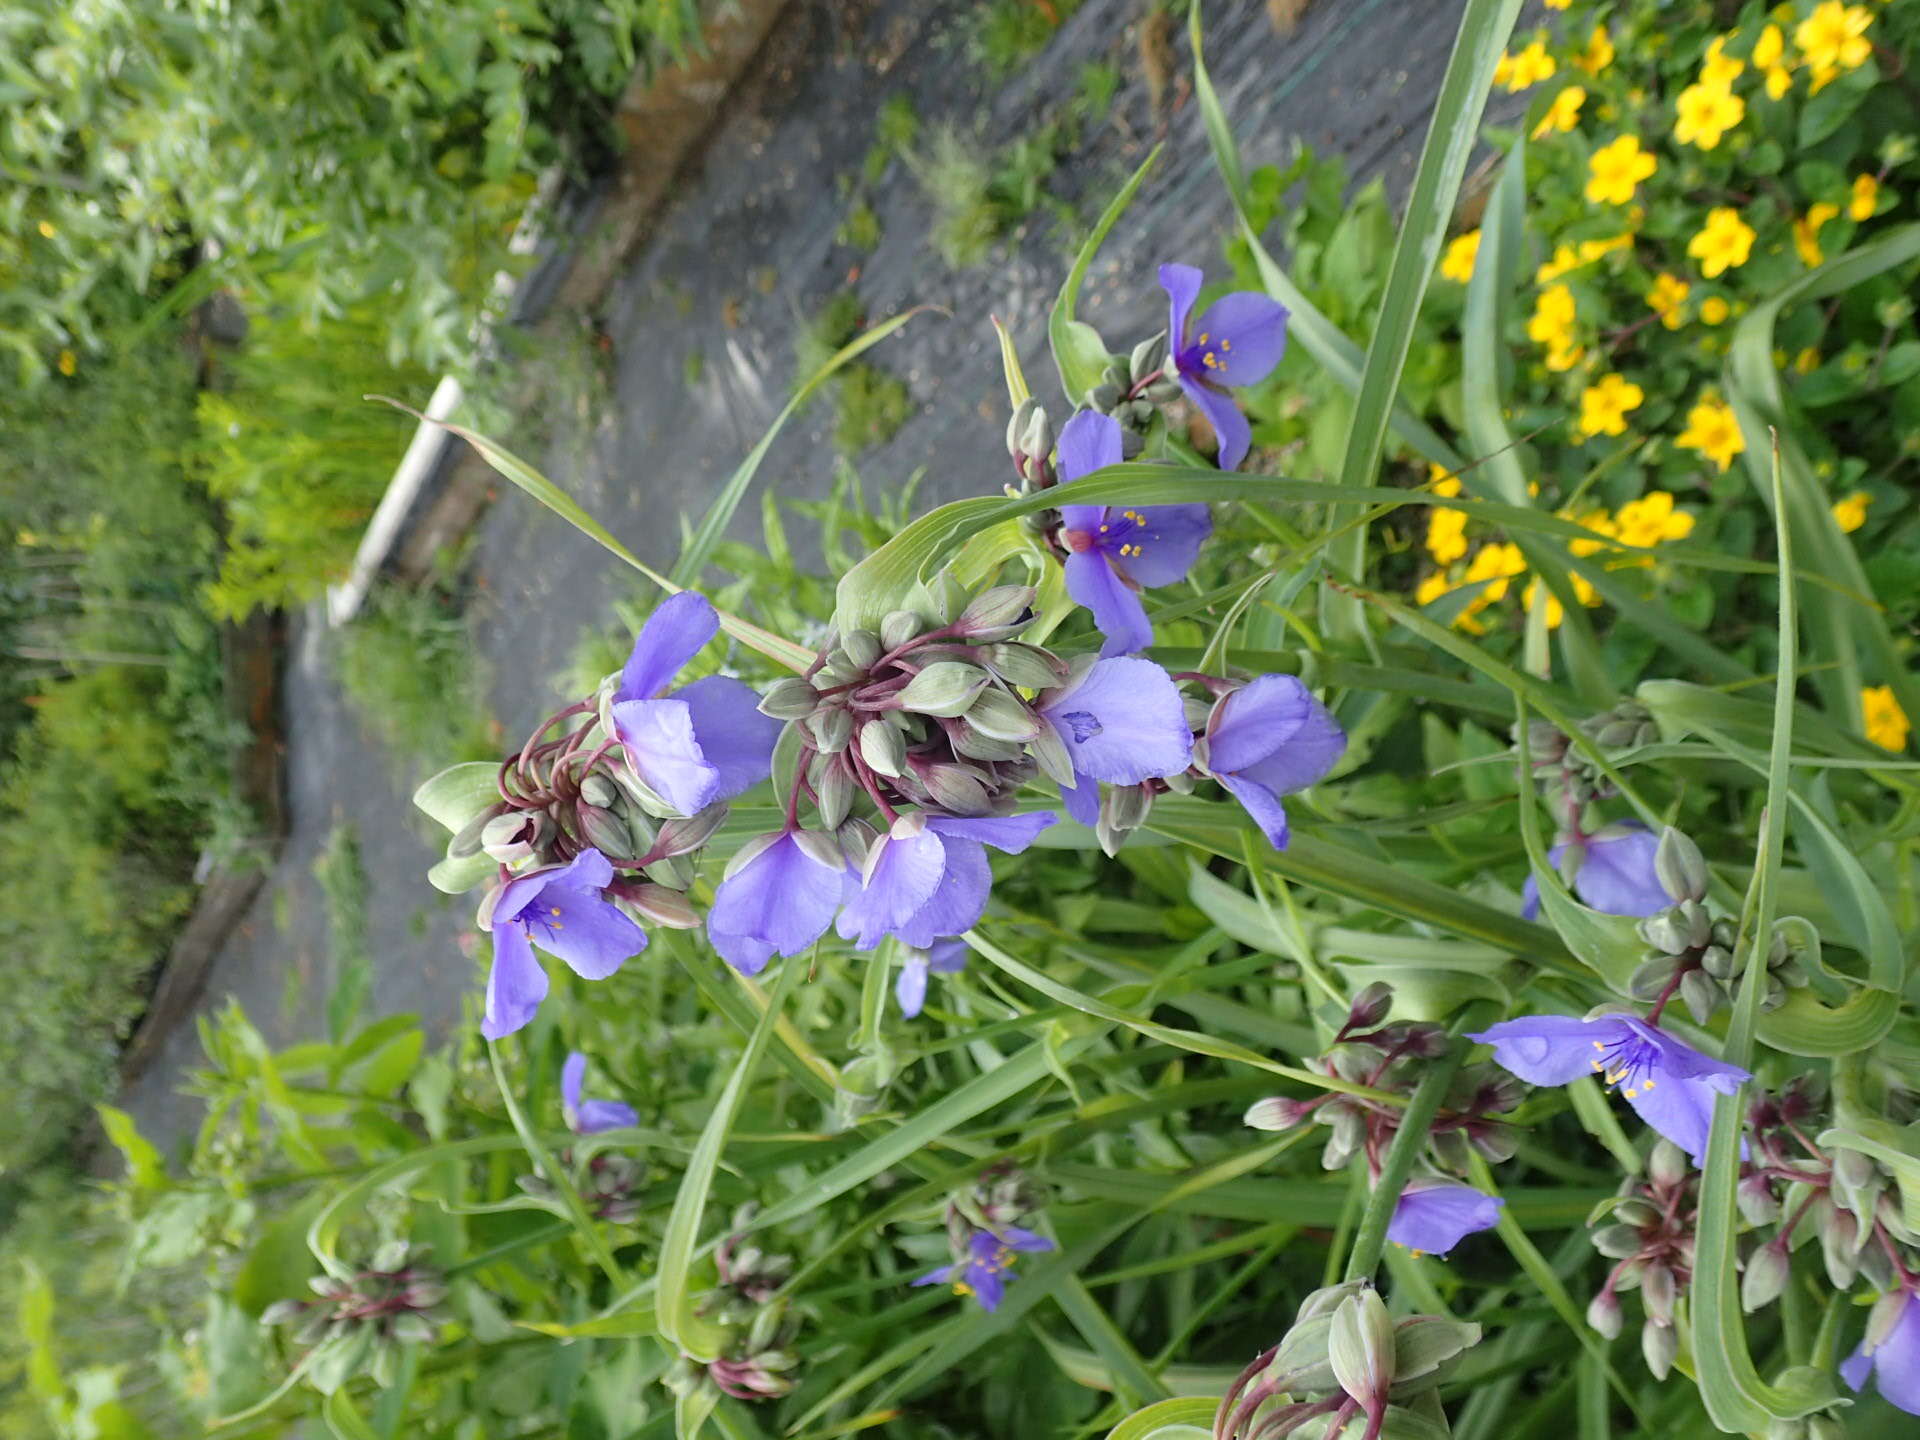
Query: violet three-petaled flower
(1122, 721)
(1236, 341)
(1893, 1362)
(706, 741)
(945, 957)
(989, 1264)
(1433, 1216)
(1670, 1084)
(1616, 874)
(565, 911)
(589, 1117)
(778, 897)
(1270, 738)
(1115, 551)
(928, 876)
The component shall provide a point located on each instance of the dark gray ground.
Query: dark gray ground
(1356, 77)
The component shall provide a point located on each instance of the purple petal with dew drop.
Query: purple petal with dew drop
(733, 736)
(1124, 722)
(1117, 609)
(515, 984)
(1247, 333)
(1089, 441)
(1548, 1049)
(672, 636)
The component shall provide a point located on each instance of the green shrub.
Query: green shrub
(409, 669)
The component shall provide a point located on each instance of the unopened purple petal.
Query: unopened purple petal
(1246, 335)
(1082, 799)
(515, 984)
(672, 636)
(1274, 731)
(599, 1116)
(660, 744)
(911, 988)
(1089, 441)
(571, 1075)
(1182, 284)
(1434, 1218)
(1230, 427)
(1167, 544)
(1117, 610)
(733, 736)
(1548, 1049)
(1124, 722)
(1009, 833)
(1263, 805)
(1616, 875)
(1899, 1377)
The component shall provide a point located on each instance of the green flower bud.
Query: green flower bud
(1162, 391)
(1104, 397)
(996, 613)
(1840, 1240)
(1050, 752)
(1361, 1349)
(516, 837)
(1322, 1302)
(1668, 1165)
(1147, 357)
(1025, 665)
(945, 688)
(834, 788)
(1017, 429)
(789, 699)
(466, 841)
(1681, 867)
(1717, 961)
(1659, 1346)
(1652, 976)
(973, 745)
(1002, 716)
(1702, 995)
(1616, 1241)
(831, 728)
(605, 832)
(899, 627)
(883, 748)
(1658, 1291)
(946, 596)
(1037, 438)
(1424, 1347)
(956, 790)
(1603, 1314)
(661, 906)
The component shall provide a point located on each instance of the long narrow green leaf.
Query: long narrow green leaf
(1451, 135)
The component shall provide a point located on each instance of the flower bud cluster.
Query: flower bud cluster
(1650, 1235)
(753, 1353)
(1392, 1057)
(1133, 389)
(608, 1184)
(1345, 1355)
(1563, 771)
(357, 1324)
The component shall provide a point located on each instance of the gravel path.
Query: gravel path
(743, 256)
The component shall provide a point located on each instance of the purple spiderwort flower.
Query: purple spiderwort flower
(1270, 738)
(1671, 1085)
(1236, 341)
(589, 1117)
(1616, 874)
(984, 1273)
(1433, 1216)
(928, 877)
(1114, 552)
(778, 896)
(706, 741)
(1123, 722)
(1897, 1316)
(946, 957)
(566, 912)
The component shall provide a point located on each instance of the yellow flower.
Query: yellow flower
(1457, 263)
(1553, 315)
(1706, 113)
(1834, 37)
(1851, 513)
(1823, 76)
(67, 363)
(1807, 361)
(1447, 535)
(1779, 81)
(1650, 519)
(1441, 481)
(1885, 722)
(47, 232)
(1723, 244)
(1720, 69)
(1715, 310)
(1604, 405)
(1563, 354)
(1565, 258)
(1495, 564)
(1617, 169)
(1713, 431)
(1592, 250)
(1563, 113)
(1528, 68)
(1598, 54)
(1768, 49)
(1558, 4)
(1503, 69)
(1669, 292)
(1866, 198)
(1556, 612)
(1432, 588)
(1601, 524)
(1806, 231)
